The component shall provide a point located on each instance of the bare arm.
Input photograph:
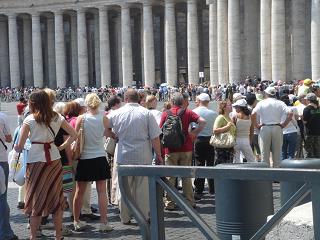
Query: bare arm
(226, 128)
(201, 124)
(288, 119)
(71, 132)
(24, 132)
(157, 148)
(107, 130)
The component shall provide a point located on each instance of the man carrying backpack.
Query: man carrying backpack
(177, 141)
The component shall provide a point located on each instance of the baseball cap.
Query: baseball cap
(237, 96)
(203, 97)
(240, 103)
(311, 97)
(270, 91)
(307, 81)
(81, 102)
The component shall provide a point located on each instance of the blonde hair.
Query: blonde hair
(150, 101)
(52, 95)
(92, 101)
(59, 107)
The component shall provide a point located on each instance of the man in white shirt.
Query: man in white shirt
(271, 112)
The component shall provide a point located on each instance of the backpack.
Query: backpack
(172, 131)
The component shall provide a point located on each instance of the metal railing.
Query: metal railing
(155, 230)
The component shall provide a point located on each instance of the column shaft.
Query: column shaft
(4, 55)
(97, 50)
(222, 25)
(105, 67)
(234, 40)
(127, 70)
(148, 46)
(278, 40)
(265, 39)
(74, 50)
(27, 52)
(315, 39)
(170, 43)
(13, 51)
(51, 53)
(60, 50)
(37, 51)
(82, 49)
(193, 42)
(213, 44)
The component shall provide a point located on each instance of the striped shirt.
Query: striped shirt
(135, 126)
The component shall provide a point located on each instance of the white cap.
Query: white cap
(270, 91)
(81, 102)
(240, 103)
(237, 96)
(203, 97)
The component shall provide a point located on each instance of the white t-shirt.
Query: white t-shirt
(41, 133)
(4, 130)
(292, 125)
(2, 181)
(157, 115)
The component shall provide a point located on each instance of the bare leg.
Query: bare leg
(34, 226)
(78, 199)
(101, 189)
(57, 218)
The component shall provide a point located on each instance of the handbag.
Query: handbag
(17, 167)
(77, 146)
(110, 145)
(223, 140)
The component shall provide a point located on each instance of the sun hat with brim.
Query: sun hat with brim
(311, 97)
(270, 91)
(307, 81)
(237, 96)
(240, 103)
(203, 97)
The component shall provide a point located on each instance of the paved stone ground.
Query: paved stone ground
(178, 226)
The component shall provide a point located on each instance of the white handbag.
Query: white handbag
(110, 145)
(17, 166)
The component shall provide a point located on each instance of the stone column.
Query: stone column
(265, 39)
(315, 39)
(234, 40)
(82, 48)
(213, 43)
(222, 26)
(4, 54)
(51, 52)
(127, 72)
(60, 51)
(105, 67)
(27, 51)
(37, 51)
(298, 39)
(13, 51)
(148, 45)
(193, 42)
(170, 43)
(74, 49)
(97, 50)
(278, 40)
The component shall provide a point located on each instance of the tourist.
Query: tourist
(203, 151)
(138, 133)
(41, 126)
(182, 156)
(223, 124)
(151, 104)
(92, 165)
(271, 125)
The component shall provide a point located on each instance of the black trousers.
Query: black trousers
(204, 156)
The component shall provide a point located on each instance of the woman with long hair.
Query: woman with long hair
(93, 165)
(223, 124)
(44, 193)
(244, 132)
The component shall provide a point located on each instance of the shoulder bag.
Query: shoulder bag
(223, 140)
(110, 145)
(77, 146)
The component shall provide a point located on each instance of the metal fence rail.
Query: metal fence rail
(158, 182)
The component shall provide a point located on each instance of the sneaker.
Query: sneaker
(20, 205)
(65, 231)
(79, 226)
(88, 217)
(94, 210)
(105, 227)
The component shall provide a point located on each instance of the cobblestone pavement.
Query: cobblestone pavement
(178, 225)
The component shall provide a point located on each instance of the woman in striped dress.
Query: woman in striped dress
(44, 193)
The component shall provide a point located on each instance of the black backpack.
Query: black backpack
(172, 130)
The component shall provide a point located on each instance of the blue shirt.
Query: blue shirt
(210, 116)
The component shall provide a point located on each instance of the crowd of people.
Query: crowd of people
(57, 181)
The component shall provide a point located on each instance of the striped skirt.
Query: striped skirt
(44, 194)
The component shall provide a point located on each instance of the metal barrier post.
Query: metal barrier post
(156, 209)
(315, 195)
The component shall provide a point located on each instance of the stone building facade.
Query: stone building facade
(147, 42)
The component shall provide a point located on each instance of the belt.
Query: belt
(275, 124)
(47, 147)
(203, 137)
